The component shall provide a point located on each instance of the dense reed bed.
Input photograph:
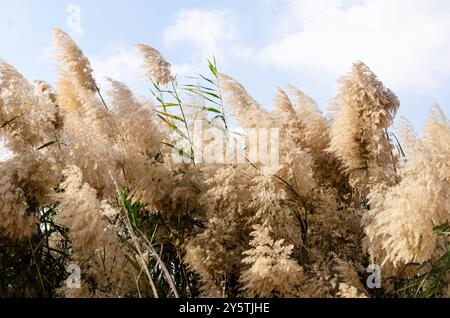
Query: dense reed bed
(115, 188)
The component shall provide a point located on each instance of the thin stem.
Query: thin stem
(149, 247)
(391, 153)
(162, 264)
(177, 97)
(101, 97)
(134, 238)
(33, 251)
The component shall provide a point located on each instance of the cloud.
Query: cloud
(183, 69)
(208, 31)
(205, 31)
(47, 53)
(122, 65)
(406, 42)
(243, 52)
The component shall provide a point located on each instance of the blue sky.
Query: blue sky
(262, 43)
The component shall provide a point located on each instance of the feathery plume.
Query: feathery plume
(90, 129)
(242, 105)
(136, 122)
(315, 130)
(315, 139)
(215, 253)
(364, 110)
(155, 65)
(399, 226)
(271, 272)
(16, 221)
(25, 120)
(94, 243)
(74, 65)
(288, 117)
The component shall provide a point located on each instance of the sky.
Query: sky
(264, 44)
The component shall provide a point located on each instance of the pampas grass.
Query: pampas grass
(98, 183)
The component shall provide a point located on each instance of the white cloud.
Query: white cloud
(183, 69)
(47, 53)
(123, 65)
(406, 42)
(243, 52)
(208, 31)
